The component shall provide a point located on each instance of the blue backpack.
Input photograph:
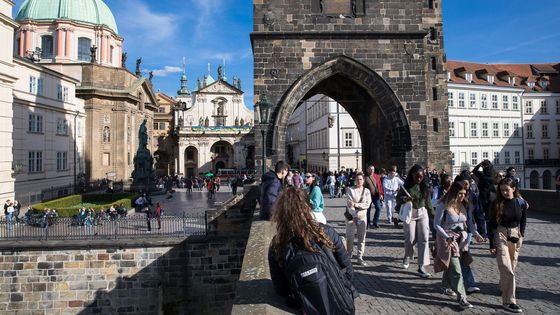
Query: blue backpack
(317, 281)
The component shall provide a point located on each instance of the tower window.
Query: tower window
(84, 45)
(47, 47)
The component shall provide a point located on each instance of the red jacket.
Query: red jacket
(378, 184)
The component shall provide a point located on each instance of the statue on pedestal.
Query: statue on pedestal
(143, 175)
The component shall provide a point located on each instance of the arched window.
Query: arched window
(547, 180)
(84, 45)
(534, 180)
(106, 134)
(47, 47)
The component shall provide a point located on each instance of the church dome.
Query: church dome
(91, 12)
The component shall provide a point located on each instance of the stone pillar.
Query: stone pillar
(28, 41)
(68, 53)
(103, 49)
(180, 167)
(59, 40)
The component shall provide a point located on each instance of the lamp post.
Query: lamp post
(264, 111)
(357, 158)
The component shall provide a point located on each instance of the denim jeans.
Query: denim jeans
(376, 202)
(331, 191)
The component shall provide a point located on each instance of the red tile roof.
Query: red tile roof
(523, 74)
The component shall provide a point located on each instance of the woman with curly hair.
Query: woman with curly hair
(417, 231)
(296, 225)
(506, 228)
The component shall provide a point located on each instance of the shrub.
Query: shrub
(69, 206)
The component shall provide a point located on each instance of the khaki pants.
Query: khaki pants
(417, 232)
(358, 229)
(452, 277)
(506, 256)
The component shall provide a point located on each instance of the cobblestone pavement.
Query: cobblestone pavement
(386, 288)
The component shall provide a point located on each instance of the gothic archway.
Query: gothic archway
(191, 162)
(379, 116)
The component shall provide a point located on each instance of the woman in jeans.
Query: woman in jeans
(417, 231)
(506, 229)
(358, 200)
(451, 223)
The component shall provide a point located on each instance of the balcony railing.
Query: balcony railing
(542, 162)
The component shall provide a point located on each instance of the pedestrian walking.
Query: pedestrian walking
(218, 182)
(10, 215)
(417, 231)
(331, 182)
(373, 184)
(233, 185)
(506, 230)
(158, 213)
(211, 186)
(149, 215)
(315, 198)
(452, 224)
(358, 200)
(17, 207)
(391, 186)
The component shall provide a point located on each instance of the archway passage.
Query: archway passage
(379, 116)
(534, 180)
(222, 155)
(191, 162)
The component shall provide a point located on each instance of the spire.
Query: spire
(208, 68)
(184, 90)
(224, 77)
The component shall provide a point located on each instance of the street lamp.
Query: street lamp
(264, 111)
(357, 158)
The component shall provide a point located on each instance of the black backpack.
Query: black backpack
(317, 280)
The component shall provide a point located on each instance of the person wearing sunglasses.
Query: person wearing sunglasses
(315, 198)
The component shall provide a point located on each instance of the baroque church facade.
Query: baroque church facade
(214, 128)
(79, 39)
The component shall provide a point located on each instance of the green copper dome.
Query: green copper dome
(92, 12)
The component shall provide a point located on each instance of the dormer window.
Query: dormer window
(511, 81)
(543, 84)
(490, 79)
(448, 76)
(468, 77)
(531, 84)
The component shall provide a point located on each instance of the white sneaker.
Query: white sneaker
(406, 263)
(362, 262)
(471, 290)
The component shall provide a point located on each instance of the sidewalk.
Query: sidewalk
(386, 288)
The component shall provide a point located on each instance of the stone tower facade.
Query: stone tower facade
(383, 61)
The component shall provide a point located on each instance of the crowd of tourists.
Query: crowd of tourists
(441, 216)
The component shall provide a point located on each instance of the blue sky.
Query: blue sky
(162, 32)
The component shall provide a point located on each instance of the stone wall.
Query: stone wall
(398, 95)
(546, 201)
(142, 276)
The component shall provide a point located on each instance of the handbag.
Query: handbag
(405, 212)
(347, 213)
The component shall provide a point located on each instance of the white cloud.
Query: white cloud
(145, 24)
(167, 70)
(208, 11)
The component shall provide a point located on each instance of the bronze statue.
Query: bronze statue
(138, 62)
(123, 60)
(143, 135)
(93, 51)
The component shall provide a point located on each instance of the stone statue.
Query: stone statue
(239, 84)
(321, 6)
(93, 53)
(207, 122)
(330, 121)
(151, 76)
(143, 134)
(199, 85)
(220, 72)
(106, 134)
(200, 121)
(123, 59)
(354, 9)
(143, 174)
(138, 62)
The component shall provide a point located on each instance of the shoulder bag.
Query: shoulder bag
(347, 213)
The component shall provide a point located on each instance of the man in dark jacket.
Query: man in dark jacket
(271, 186)
(485, 187)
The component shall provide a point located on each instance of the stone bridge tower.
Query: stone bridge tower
(382, 60)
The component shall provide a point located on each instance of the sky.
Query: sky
(214, 32)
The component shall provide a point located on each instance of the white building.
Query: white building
(8, 76)
(331, 138)
(485, 121)
(48, 132)
(541, 118)
(214, 127)
(507, 114)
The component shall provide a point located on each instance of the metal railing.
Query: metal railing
(130, 227)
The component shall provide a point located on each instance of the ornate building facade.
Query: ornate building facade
(214, 127)
(163, 135)
(80, 39)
